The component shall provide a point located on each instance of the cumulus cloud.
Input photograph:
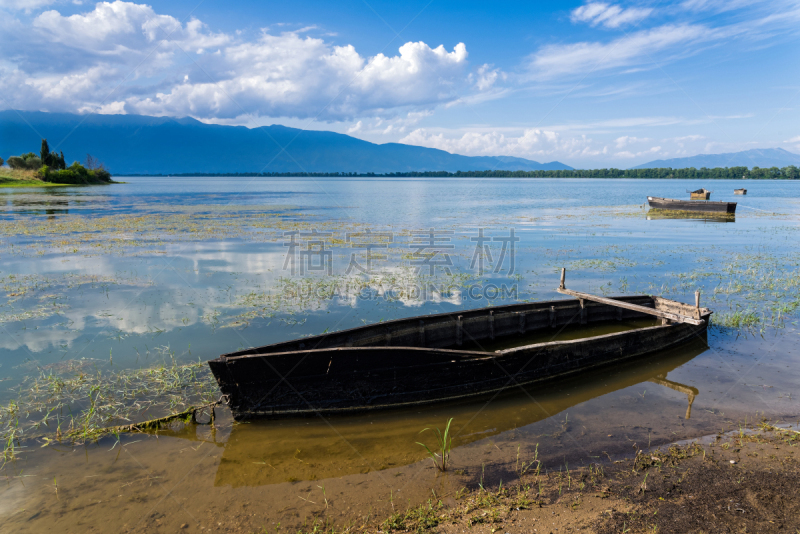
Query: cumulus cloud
(287, 75)
(188, 69)
(486, 77)
(610, 16)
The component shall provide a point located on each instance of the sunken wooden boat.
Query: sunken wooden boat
(706, 206)
(434, 358)
(740, 191)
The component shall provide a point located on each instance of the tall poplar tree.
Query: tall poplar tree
(44, 153)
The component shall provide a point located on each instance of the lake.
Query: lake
(115, 296)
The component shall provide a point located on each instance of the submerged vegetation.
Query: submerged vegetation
(751, 292)
(81, 400)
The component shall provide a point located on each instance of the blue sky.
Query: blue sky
(591, 84)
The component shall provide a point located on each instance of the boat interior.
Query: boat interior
(494, 328)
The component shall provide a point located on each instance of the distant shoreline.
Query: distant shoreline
(726, 173)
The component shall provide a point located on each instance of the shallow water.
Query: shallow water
(163, 270)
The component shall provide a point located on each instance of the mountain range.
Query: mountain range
(757, 157)
(133, 144)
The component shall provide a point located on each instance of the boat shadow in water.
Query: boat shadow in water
(263, 452)
(658, 214)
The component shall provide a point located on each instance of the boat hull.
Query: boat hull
(418, 361)
(691, 205)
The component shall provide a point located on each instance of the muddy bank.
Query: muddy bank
(735, 482)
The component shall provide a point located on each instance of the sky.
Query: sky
(591, 84)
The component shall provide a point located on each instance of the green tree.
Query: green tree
(44, 153)
(16, 162)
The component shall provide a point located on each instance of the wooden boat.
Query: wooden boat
(434, 358)
(691, 205)
(700, 194)
(740, 191)
(247, 462)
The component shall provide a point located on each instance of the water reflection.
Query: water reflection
(690, 392)
(657, 214)
(48, 207)
(270, 452)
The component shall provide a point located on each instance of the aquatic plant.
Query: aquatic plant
(444, 442)
(77, 402)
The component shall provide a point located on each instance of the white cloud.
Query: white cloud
(122, 28)
(355, 128)
(532, 143)
(626, 154)
(25, 5)
(187, 69)
(486, 77)
(626, 140)
(687, 138)
(553, 60)
(394, 125)
(715, 5)
(682, 140)
(793, 140)
(607, 15)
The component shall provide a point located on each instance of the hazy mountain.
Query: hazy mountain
(129, 144)
(757, 157)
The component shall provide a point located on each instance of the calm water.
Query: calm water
(175, 270)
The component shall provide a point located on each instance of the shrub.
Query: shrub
(33, 163)
(16, 162)
(66, 176)
(75, 174)
(102, 174)
(2, 161)
(25, 161)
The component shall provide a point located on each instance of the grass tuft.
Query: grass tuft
(443, 443)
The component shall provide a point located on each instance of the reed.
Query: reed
(444, 443)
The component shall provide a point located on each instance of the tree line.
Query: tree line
(717, 173)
